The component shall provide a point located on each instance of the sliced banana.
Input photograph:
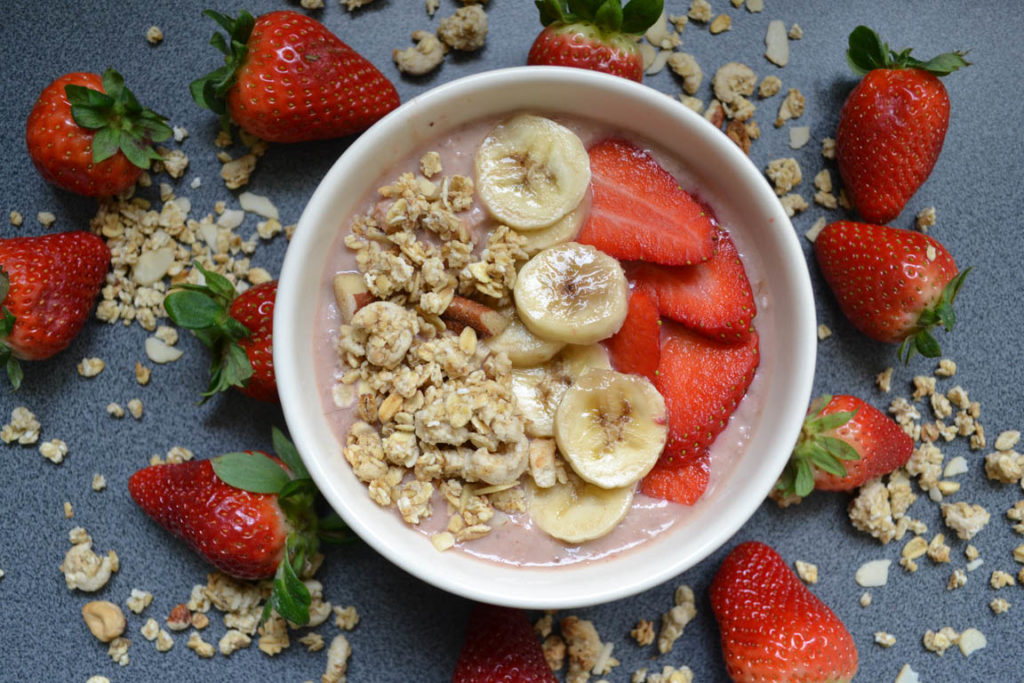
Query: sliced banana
(539, 390)
(572, 293)
(577, 511)
(611, 427)
(563, 230)
(524, 348)
(531, 171)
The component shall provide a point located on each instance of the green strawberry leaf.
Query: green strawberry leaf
(229, 369)
(833, 420)
(254, 472)
(134, 150)
(804, 482)
(824, 461)
(584, 9)
(210, 91)
(640, 15)
(838, 448)
(866, 51)
(105, 144)
(332, 529)
(609, 16)
(946, 63)
(291, 598)
(14, 372)
(5, 286)
(81, 96)
(551, 11)
(286, 450)
(193, 310)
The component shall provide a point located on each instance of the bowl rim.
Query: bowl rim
(288, 340)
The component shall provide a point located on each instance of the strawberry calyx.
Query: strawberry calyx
(941, 313)
(296, 494)
(816, 450)
(119, 121)
(609, 16)
(210, 91)
(867, 52)
(7, 320)
(204, 309)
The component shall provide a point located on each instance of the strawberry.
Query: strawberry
(773, 628)
(599, 35)
(844, 443)
(47, 288)
(679, 479)
(237, 328)
(703, 381)
(892, 125)
(713, 297)
(89, 135)
(286, 78)
(500, 646)
(248, 514)
(636, 347)
(639, 212)
(894, 285)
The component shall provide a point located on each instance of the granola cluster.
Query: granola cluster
(435, 405)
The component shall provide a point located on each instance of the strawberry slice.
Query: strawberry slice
(713, 297)
(639, 212)
(702, 380)
(679, 479)
(636, 347)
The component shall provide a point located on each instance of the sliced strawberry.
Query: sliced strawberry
(679, 479)
(636, 347)
(703, 381)
(639, 212)
(713, 297)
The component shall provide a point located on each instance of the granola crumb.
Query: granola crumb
(154, 36)
(99, 482)
(421, 58)
(234, 640)
(142, 374)
(807, 571)
(90, 367)
(700, 11)
(721, 23)
(964, 518)
(792, 107)
(815, 230)
(115, 410)
(135, 408)
(793, 204)
(958, 579)
(583, 646)
(925, 218)
(23, 428)
(884, 380)
(118, 650)
(337, 660)
(784, 174)
(824, 332)
(939, 642)
(770, 85)
(999, 606)
(346, 618)
(69, 511)
(553, 647)
(1001, 579)
(795, 32)
(139, 600)
(46, 218)
(643, 632)
(16, 219)
(946, 368)
(466, 30)
(828, 148)
(674, 621)
(884, 639)
(164, 641)
(865, 599)
(54, 450)
(314, 642)
(202, 648)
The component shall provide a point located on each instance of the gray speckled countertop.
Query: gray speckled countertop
(410, 631)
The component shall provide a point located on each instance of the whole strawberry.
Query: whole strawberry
(598, 35)
(892, 126)
(287, 78)
(237, 328)
(844, 443)
(248, 514)
(47, 288)
(894, 285)
(89, 135)
(500, 646)
(773, 628)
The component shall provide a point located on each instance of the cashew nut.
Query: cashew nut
(105, 619)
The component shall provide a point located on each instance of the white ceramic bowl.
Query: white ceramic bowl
(760, 228)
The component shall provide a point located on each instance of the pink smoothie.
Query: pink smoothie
(514, 540)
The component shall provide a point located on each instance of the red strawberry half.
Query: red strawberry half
(636, 347)
(773, 628)
(703, 381)
(713, 297)
(287, 78)
(47, 288)
(238, 329)
(639, 212)
(679, 478)
(844, 443)
(600, 36)
(893, 124)
(500, 646)
(894, 285)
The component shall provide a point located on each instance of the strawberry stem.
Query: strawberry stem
(204, 309)
(814, 450)
(940, 314)
(867, 52)
(210, 91)
(608, 15)
(120, 122)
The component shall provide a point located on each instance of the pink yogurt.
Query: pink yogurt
(514, 539)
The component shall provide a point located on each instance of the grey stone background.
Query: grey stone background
(411, 631)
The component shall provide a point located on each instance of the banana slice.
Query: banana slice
(611, 427)
(572, 293)
(577, 511)
(539, 390)
(564, 229)
(531, 171)
(524, 348)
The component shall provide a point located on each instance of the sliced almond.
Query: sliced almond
(152, 265)
(350, 294)
(257, 204)
(874, 573)
(159, 352)
(777, 43)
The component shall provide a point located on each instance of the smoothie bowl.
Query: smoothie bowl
(503, 371)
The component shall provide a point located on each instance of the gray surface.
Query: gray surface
(410, 631)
